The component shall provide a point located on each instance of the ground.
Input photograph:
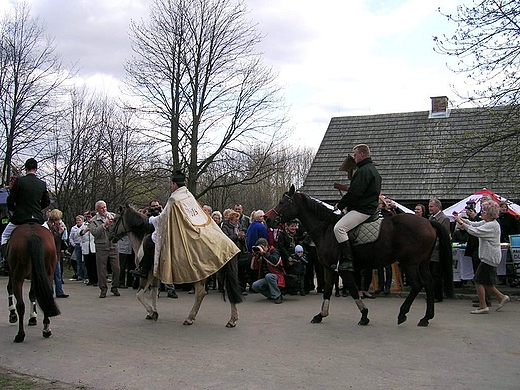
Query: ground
(10, 380)
(100, 344)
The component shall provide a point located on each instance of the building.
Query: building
(422, 154)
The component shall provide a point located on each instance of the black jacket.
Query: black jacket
(27, 199)
(364, 191)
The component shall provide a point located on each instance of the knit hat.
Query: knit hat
(178, 178)
(298, 248)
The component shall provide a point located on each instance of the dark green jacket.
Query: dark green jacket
(364, 191)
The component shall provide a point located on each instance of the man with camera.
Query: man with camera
(154, 209)
(268, 263)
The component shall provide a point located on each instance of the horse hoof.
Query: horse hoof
(32, 321)
(47, 334)
(230, 325)
(401, 319)
(155, 316)
(317, 319)
(187, 322)
(363, 321)
(148, 317)
(13, 318)
(423, 322)
(19, 338)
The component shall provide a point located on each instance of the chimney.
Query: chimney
(439, 107)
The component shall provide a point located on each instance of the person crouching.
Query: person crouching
(268, 263)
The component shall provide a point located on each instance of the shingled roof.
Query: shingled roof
(416, 155)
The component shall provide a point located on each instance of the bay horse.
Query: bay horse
(31, 254)
(135, 224)
(406, 238)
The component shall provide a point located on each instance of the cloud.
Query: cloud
(353, 57)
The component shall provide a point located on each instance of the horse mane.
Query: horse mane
(138, 221)
(322, 210)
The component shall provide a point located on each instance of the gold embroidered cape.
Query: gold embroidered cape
(189, 245)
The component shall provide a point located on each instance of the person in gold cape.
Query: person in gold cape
(189, 246)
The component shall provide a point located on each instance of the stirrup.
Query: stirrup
(139, 272)
(346, 266)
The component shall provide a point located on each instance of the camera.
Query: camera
(154, 211)
(257, 249)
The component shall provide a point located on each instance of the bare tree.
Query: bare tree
(202, 83)
(31, 75)
(288, 165)
(96, 153)
(486, 45)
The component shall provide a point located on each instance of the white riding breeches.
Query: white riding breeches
(348, 222)
(7, 232)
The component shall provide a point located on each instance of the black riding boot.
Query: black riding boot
(146, 263)
(347, 260)
(3, 251)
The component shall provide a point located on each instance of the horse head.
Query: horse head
(283, 212)
(129, 220)
(349, 166)
(118, 231)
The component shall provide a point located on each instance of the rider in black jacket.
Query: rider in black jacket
(27, 199)
(360, 202)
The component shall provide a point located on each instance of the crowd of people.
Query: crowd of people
(272, 262)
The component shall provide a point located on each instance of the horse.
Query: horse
(406, 238)
(135, 224)
(31, 254)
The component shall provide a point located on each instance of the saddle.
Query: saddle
(367, 231)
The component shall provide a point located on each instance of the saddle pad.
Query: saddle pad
(368, 232)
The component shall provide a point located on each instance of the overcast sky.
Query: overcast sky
(333, 58)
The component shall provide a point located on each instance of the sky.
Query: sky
(332, 58)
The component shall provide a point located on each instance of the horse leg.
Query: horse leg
(329, 276)
(20, 309)
(154, 294)
(10, 301)
(33, 318)
(142, 295)
(46, 327)
(414, 280)
(200, 293)
(354, 293)
(430, 303)
(234, 315)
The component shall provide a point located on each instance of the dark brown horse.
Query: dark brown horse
(405, 238)
(31, 254)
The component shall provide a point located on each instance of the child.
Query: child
(296, 266)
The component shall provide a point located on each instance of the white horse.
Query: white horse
(134, 224)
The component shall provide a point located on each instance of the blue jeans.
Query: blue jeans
(81, 270)
(268, 286)
(57, 280)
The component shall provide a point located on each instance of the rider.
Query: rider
(146, 263)
(27, 199)
(361, 202)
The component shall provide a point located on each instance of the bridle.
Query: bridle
(120, 221)
(279, 214)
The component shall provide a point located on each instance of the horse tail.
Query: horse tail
(40, 281)
(228, 279)
(446, 258)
